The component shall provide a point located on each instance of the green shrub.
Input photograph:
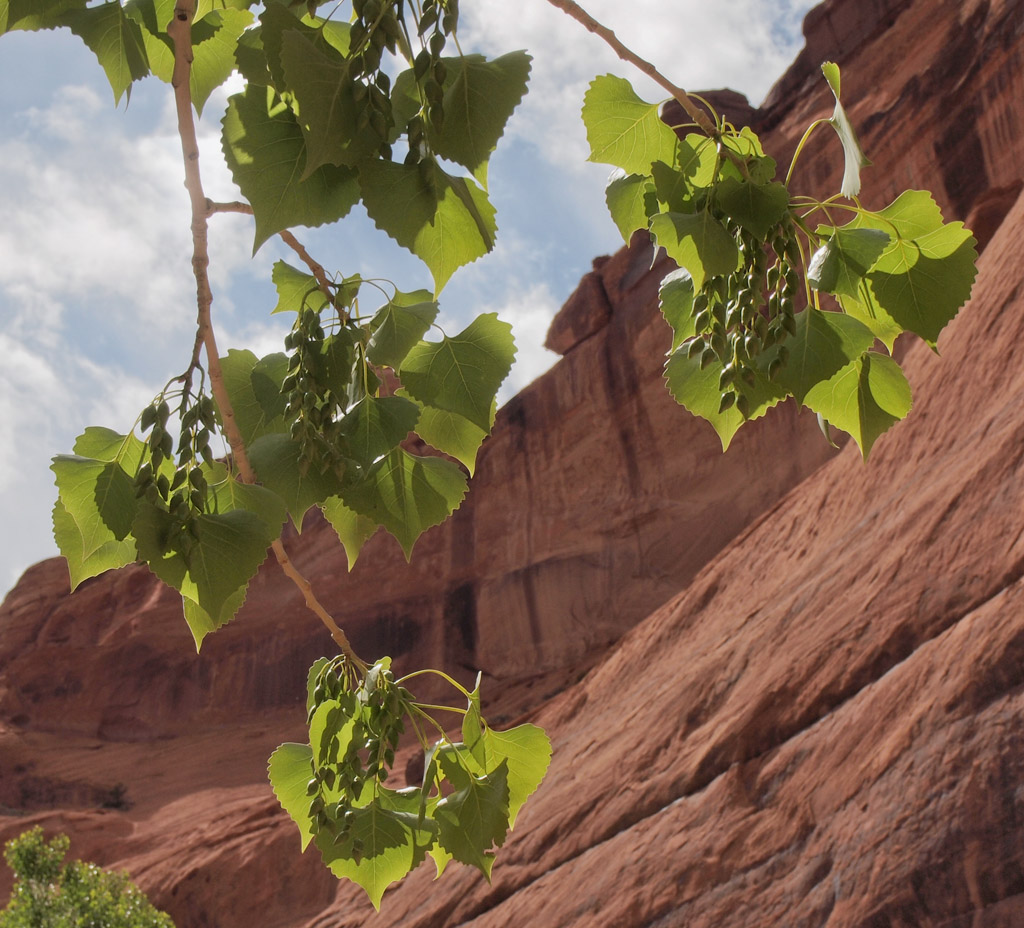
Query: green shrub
(51, 894)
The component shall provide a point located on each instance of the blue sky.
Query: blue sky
(96, 293)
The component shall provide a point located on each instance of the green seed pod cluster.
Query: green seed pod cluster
(440, 20)
(740, 315)
(316, 388)
(364, 722)
(377, 27)
(183, 494)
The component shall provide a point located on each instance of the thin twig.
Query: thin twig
(701, 118)
(317, 269)
(306, 588)
(180, 32)
(235, 206)
(314, 266)
(585, 19)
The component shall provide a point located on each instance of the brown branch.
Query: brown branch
(570, 8)
(235, 206)
(314, 266)
(290, 240)
(180, 32)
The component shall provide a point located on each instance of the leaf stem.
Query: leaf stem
(427, 705)
(440, 673)
(314, 266)
(180, 32)
(800, 147)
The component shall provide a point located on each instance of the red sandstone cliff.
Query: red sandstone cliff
(830, 708)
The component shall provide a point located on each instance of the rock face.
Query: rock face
(812, 712)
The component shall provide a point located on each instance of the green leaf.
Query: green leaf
(201, 623)
(922, 284)
(264, 148)
(865, 398)
(398, 326)
(629, 198)
(229, 494)
(479, 98)
(259, 51)
(342, 375)
(254, 388)
(115, 40)
(276, 459)
(925, 275)
(462, 373)
(31, 15)
(328, 110)
(843, 261)
(622, 129)
(451, 433)
(232, 542)
(331, 32)
(756, 207)
(87, 560)
(473, 729)
(699, 392)
(353, 529)
(290, 769)
(251, 59)
(524, 750)
(672, 190)
(697, 242)
(313, 673)
(331, 724)
(97, 501)
(275, 21)
(867, 310)
(115, 499)
(475, 818)
(391, 843)
(698, 160)
(295, 289)
(408, 494)
(823, 345)
(854, 158)
(445, 221)
(376, 425)
(108, 445)
(675, 300)
(231, 547)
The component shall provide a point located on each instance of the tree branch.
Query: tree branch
(316, 269)
(180, 31)
(570, 8)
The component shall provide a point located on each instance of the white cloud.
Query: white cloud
(46, 399)
(742, 44)
(529, 312)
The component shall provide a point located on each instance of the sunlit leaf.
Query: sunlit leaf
(697, 242)
(462, 373)
(629, 198)
(444, 220)
(264, 148)
(114, 39)
(290, 769)
(865, 398)
(408, 494)
(622, 129)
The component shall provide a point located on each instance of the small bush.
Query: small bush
(51, 894)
